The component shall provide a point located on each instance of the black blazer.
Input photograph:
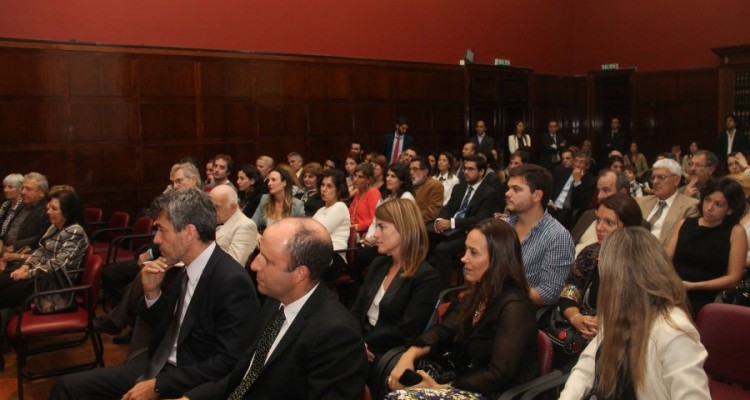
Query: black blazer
(405, 308)
(582, 194)
(483, 205)
(217, 327)
(408, 141)
(488, 143)
(549, 152)
(33, 227)
(740, 143)
(321, 356)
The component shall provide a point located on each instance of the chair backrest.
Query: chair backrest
(724, 329)
(119, 219)
(143, 226)
(92, 274)
(545, 353)
(92, 214)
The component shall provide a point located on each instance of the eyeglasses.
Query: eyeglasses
(695, 164)
(660, 178)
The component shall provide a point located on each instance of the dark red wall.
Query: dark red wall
(655, 35)
(417, 30)
(550, 36)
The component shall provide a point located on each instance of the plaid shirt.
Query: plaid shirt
(548, 253)
(59, 248)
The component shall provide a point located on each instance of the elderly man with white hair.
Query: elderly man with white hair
(236, 234)
(666, 206)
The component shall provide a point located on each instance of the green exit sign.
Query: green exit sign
(502, 61)
(606, 67)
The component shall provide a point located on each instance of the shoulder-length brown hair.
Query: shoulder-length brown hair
(638, 285)
(407, 218)
(270, 206)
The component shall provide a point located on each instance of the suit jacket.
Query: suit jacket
(321, 356)
(739, 143)
(548, 152)
(216, 328)
(682, 207)
(488, 143)
(483, 204)
(429, 198)
(407, 141)
(581, 196)
(33, 227)
(238, 236)
(404, 309)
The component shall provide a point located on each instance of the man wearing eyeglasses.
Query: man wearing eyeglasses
(666, 206)
(702, 166)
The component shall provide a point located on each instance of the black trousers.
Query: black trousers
(13, 293)
(101, 383)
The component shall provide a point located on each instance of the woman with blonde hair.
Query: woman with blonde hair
(400, 289)
(647, 346)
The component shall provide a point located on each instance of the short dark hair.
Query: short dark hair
(307, 248)
(402, 120)
(339, 182)
(188, 206)
(525, 156)
(536, 177)
(423, 164)
(229, 160)
(71, 206)
(481, 162)
(711, 159)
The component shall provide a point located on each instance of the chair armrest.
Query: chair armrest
(116, 242)
(72, 289)
(104, 230)
(542, 383)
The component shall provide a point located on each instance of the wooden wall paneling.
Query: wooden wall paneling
(448, 131)
(413, 84)
(25, 121)
(229, 119)
(101, 120)
(31, 73)
(168, 121)
(372, 120)
(448, 84)
(420, 119)
(296, 82)
(159, 158)
(100, 74)
(330, 119)
(371, 83)
(269, 79)
(48, 162)
(228, 78)
(338, 81)
(104, 166)
(166, 77)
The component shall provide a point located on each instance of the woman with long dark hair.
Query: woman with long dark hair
(492, 331)
(647, 346)
(334, 215)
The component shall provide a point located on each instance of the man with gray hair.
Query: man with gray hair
(236, 234)
(703, 165)
(666, 206)
(307, 344)
(185, 175)
(13, 201)
(203, 319)
(29, 223)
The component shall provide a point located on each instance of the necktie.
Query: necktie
(161, 355)
(464, 204)
(396, 145)
(657, 214)
(261, 352)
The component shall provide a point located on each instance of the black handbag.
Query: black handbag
(441, 367)
(563, 334)
(54, 303)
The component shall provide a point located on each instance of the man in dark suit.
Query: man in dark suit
(730, 141)
(573, 191)
(203, 320)
(552, 143)
(28, 224)
(395, 143)
(484, 142)
(470, 202)
(308, 344)
(615, 138)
